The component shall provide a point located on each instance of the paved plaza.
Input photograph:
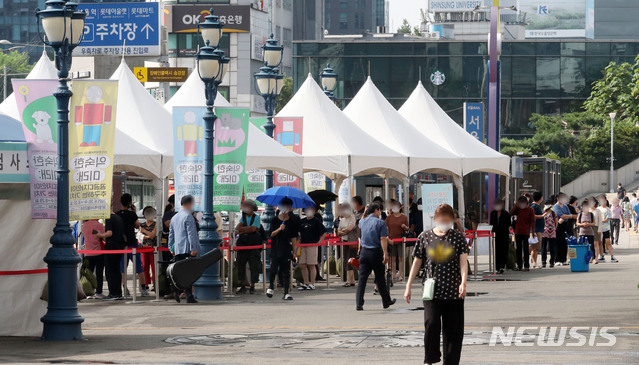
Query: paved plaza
(322, 327)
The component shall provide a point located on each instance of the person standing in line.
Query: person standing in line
(538, 228)
(373, 255)
(251, 233)
(131, 223)
(635, 213)
(616, 214)
(445, 253)
(312, 231)
(397, 224)
(500, 221)
(184, 239)
(525, 223)
(417, 219)
(284, 238)
(604, 228)
(347, 229)
(114, 240)
(572, 222)
(564, 215)
(585, 222)
(627, 212)
(549, 237)
(147, 229)
(90, 229)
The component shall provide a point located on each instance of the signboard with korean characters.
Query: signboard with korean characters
(14, 167)
(185, 18)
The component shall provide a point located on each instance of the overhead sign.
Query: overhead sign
(161, 74)
(454, 5)
(115, 29)
(14, 161)
(185, 18)
(474, 120)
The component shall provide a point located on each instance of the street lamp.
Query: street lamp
(612, 154)
(63, 27)
(268, 84)
(328, 78)
(211, 67)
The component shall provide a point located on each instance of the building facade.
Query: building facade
(355, 16)
(537, 76)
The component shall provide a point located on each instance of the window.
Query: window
(287, 4)
(288, 37)
(343, 21)
(186, 44)
(278, 33)
(343, 4)
(328, 20)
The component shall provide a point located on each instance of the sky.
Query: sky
(404, 9)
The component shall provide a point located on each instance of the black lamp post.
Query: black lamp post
(212, 66)
(328, 79)
(268, 84)
(63, 27)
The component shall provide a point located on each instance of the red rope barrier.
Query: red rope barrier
(24, 272)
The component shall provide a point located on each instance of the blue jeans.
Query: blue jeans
(138, 263)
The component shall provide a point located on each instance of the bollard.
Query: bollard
(264, 267)
(475, 264)
(344, 263)
(290, 277)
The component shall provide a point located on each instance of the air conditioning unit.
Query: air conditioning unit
(434, 35)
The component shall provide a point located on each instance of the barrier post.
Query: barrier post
(344, 263)
(231, 285)
(328, 267)
(403, 256)
(156, 279)
(264, 267)
(475, 264)
(492, 245)
(135, 274)
(126, 266)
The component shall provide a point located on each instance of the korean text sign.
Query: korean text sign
(188, 153)
(91, 145)
(288, 132)
(14, 162)
(474, 120)
(38, 111)
(113, 29)
(432, 196)
(230, 144)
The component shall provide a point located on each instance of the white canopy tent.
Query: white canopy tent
(333, 144)
(191, 93)
(423, 112)
(263, 152)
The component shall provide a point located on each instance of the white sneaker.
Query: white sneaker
(303, 287)
(99, 296)
(287, 297)
(310, 287)
(613, 259)
(269, 293)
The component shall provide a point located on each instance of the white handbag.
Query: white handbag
(429, 287)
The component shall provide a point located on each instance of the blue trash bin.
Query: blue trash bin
(579, 257)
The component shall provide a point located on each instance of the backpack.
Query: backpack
(251, 239)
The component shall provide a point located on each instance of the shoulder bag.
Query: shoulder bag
(429, 287)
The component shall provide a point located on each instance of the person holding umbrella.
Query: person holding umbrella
(284, 235)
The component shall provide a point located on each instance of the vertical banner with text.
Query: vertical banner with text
(229, 162)
(91, 145)
(38, 111)
(288, 132)
(432, 196)
(188, 153)
(474, 120)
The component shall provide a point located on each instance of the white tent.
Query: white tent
(370, 110)
(43, 69)
(143, 139)
(191, 93)
(264, 152)
(333, 144)
(423, 112)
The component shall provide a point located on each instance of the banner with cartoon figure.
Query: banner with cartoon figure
(288, 132)
(38, 111)
(188, 153)
(229, 162)
(91, 144)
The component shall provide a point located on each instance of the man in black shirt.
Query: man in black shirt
(114, 240)
(312, 230)
(130, 224)
(284, 233)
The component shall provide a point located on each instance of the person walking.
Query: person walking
(373, 255)
(549, 236)
(525, 223)
(397, 224)
(347, 229)
(445, 253)
(183, 237)
(149, 234)
(538, 228)
(284, 238)
(604, 228)
(114, 240)
(312, 231)
(500, 221)
(90, 229)
(251, 233)
(621, 192)
(616, 215)
(626, 206)
(564, 215)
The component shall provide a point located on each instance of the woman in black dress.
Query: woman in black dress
(500, 220)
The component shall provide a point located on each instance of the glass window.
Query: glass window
(523, 48)
(287, 37)
(597, 48)
(471, 48)
(506, 77)
(515, 116)
(474, 73)
(173, 44)
(523, 76)
(623, 49)
(573, 76)
(380, 72)
(452, 85)
(548, 77)
(594, 69)
(573, 49)
(343, 21)
(402, 77)
(343, 4)
(550, 48)
(450, 48)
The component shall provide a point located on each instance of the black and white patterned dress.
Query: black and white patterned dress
(443, 262)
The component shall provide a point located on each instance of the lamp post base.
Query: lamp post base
(209, 286)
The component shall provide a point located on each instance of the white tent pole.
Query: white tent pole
(386, 189)
(507, 202)
(461, 208)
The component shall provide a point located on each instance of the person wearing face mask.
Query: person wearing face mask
(549, 237)
(525, 223)
(604, 228)
(251, 233)
(445, 253)
(373, 255)
(284, 237)
(379, 201)
(417, 219)
(311, 231)
(348, 231)
(147, 229)
(500, 220)
(183, 238)
(563, 212)
(397, 224)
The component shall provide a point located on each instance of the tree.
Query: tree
(285, 95)
(16, 63)
(617, 91)
(405, 27)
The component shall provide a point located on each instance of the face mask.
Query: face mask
(346, 213)
(564, 201)
(309, 212)
(419, 207)
(498, 207)
(444, 227)
(522, 206)
(395, 209)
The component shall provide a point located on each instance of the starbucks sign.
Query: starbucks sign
(437, 78)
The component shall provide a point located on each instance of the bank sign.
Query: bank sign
(115, 29)
(185, 18)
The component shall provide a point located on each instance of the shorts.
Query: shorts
(535, 247)
(597, 235)
(396, 249)
(138, 263)
(605, 235)
(309, 256)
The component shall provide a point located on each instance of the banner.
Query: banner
(14, 160)
(432, 196)
(288, 132)
(188, 153)
(314, 181)
(254, 180)
(474, 120)
(38, 112)
(231, 139)
(91, 145)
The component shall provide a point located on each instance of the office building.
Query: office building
(355, 16)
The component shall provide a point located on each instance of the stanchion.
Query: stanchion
(126, 266)
(135, 275)
(328, 267)
(403, 256)
(290, 277)
(156, 279)
(231, 285)
(344, 263)
(264, 267)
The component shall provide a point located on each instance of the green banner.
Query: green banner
(229, 161)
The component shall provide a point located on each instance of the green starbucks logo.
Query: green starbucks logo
(437, 78)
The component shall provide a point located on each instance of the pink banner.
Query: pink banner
(288, 132)
(38, 113)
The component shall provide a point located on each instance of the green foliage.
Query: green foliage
(16, 62)
(285, 95)
(405, 27)
(617, 91)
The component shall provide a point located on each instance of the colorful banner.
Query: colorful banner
(188, 153)
(254, 180)
(38, 111)
(259, 123)
(14, 167)
(231, 139)
(288, 132)
(91, 145)
(432, 196)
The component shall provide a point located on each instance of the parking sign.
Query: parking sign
(116, 29)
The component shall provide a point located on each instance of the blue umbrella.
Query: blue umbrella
(274, 195)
